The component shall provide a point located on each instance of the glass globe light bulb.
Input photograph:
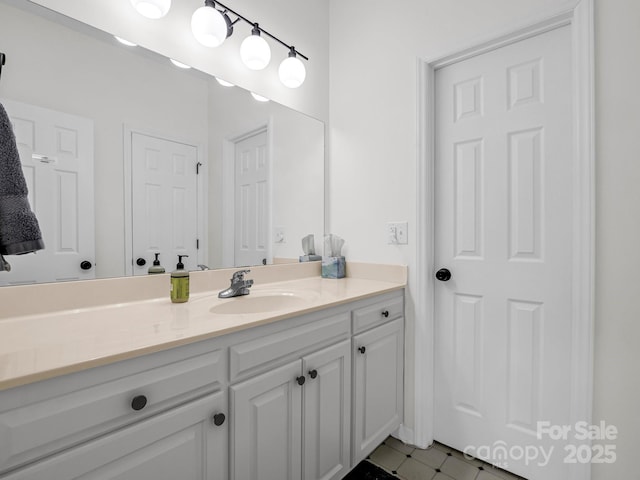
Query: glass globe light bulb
(152, 8)
(292, 71)
(209, 26)
(255, 52)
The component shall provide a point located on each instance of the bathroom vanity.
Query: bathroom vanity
(305, 390)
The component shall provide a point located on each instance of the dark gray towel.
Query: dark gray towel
(19, 229)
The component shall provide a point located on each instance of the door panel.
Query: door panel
(504, 229)
(56, 152)
(165, 207)
(252, 200)
(267, 426)
(327, 402)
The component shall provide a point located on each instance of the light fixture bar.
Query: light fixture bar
(212, 3)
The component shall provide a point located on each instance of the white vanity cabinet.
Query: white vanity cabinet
(378, 381)
(183, 443)
(301, 398)
(138, 419)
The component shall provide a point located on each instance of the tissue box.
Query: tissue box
(310, 258)
(333, 267)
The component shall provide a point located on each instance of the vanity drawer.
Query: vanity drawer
(42, 428)
(378, 313)
(255, 356)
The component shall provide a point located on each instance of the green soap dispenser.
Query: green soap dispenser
(180, 282)
(156, 267)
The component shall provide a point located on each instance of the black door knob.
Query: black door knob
(85, 265)
(301, 379)
(264, 261)
(313, 373)
(385, 313)
(443, 274)
(218, 419)
(141, 262)
(138, 402)
(362, 349)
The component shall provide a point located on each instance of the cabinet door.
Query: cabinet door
(267, 426)
(182, 443)
(327, 416)
(378, 384)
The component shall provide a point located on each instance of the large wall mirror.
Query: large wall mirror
(127, 155)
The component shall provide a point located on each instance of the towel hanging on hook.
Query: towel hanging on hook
(3, 58)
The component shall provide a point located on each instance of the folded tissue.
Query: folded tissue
(333, 263)
(309, 249)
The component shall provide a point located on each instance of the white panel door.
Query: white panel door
(252, 202)
(266, 422)
(504, 229)
(165, 206)
(56, 151)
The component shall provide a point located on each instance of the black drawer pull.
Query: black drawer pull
(301, 379)
(362, 349)
(218, 419)
(313, 373)
(138, 402)
(385, 313)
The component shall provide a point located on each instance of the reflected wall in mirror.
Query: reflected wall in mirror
(260, 187)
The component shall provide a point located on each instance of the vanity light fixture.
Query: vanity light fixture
(224, 83)
(179, 64)
(125, 42)
(152, 8)
(254, 50)
(291, 71)
(211, 25)
(259, 98)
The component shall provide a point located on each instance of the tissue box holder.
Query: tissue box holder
(310, 258)
(333, 267)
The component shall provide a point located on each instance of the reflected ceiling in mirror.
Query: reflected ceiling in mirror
(56, 64)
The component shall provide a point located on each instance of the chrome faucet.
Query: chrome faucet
(239, 286)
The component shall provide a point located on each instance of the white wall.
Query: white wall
(302, 24)
(374, 46)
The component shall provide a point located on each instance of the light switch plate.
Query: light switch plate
(397, 233)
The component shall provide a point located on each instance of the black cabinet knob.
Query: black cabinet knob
(301, 379)
(264, 261)
(141, 262)
(218, 419)
(313, 373)
(138, 402)
(443, 274)
(86, 265)
(362, 349)
(385, 313)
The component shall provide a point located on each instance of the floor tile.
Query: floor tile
(502, 474)
(431, 456)
(442, 476)
(413, 470)
(387, 458)
(459, 469)
(398, 445)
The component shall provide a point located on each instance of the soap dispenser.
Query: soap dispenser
(156, 267)
(180, 282)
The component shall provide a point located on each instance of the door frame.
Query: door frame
(201, 194)
(229, 191)
(579, 15)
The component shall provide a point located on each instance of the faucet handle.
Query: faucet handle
(239, 275)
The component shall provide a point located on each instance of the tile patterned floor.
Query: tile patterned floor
(438, 462)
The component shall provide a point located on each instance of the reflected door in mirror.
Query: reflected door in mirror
(164, 202)
(56, 152)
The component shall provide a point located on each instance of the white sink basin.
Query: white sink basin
(258, 302)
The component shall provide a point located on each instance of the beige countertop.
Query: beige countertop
(44, 345)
